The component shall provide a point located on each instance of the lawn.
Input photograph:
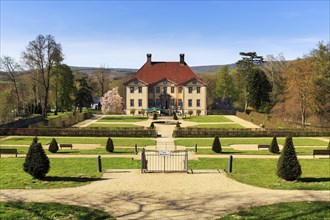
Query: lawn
(285, 210)
(209, 118)
(41, 211)
(299, 151)
(63, 173)
(122, 119)
(190, 142)
(113, 126)
(262, 172)
(82, 140)
(217, 126)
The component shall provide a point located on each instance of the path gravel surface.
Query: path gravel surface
(128, 194)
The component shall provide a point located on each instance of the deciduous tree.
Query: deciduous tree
(42, 55)
(111, 101)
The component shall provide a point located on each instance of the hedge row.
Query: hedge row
(86, 132)
(212, 132)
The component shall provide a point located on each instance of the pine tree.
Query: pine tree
(36, 162)
(274, 146)
(53, 146)
(288, 166)
(110, 146)
(216, 146)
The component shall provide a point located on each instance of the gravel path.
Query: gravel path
(131, 195)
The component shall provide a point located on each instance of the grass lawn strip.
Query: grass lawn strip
(209, 118)
(190, 142)
(262, 172)
(113, 126)
(217, 126)
(82, 140)
(41, 211)
(63, 172)
(122, 119)
(287, 210)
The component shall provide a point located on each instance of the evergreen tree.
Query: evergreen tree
(83, 96)
(274, 146)
(36, 162)
(328, 146)
(175, 117)
(53, 146)
(288, 166)
(109, 146)
(216, 146)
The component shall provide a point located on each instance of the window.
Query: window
(150, 89)
(140, 89)
(150, 103)
(198, 89)
(136, 82)
(157, 89)
(172, 89)
(164, 89)
(189, 102)
(198, 103)
(194, 81)
(140, 102)
(190, 89)
(132, 102)
(157, 102)
(180, 90)
(131, 89)
(172, 102)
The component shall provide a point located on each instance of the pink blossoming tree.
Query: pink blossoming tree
(111, 101)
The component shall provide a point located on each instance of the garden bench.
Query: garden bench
(66, 146)
(263, 146)
(8, 151)
(321, 152)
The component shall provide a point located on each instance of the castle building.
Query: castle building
(170, 86)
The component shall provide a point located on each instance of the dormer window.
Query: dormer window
(194, 81)
(136, 81)
(165, 82)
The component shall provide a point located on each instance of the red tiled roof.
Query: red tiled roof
(173, 71)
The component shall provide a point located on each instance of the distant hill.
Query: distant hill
(210, 69)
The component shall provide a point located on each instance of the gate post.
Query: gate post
(143, 158)
(230, 164)
(186, 161)
(195, 148)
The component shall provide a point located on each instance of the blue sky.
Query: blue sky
(120, 33)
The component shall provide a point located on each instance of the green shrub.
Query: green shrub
(152, 125)
(132, 111)
(198, 112)
(328, 146)
(53, 146)
(216, 146)
(109, 147)
(288, 166)
(177, 124)
(143, 112)
(274, 146)
(190, 112)
(36, 162)
(155, 116)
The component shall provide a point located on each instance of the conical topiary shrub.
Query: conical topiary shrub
(109, 146)
(328, 146)
(288, 166)
(36, 162)
(53, 146)
(216, 146)
(175, 117)
(274, 146)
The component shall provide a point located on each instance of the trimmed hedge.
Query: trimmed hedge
(85, 132)
(246, 132)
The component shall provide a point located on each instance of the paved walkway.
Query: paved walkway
(129, 194)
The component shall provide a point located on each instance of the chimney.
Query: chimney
(149, 58)
(182, 58)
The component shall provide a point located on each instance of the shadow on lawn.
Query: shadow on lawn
(70, 179)
(313, 180)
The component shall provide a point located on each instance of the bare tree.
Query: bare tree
(11, 70)
(43, 54)
(102, 78)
